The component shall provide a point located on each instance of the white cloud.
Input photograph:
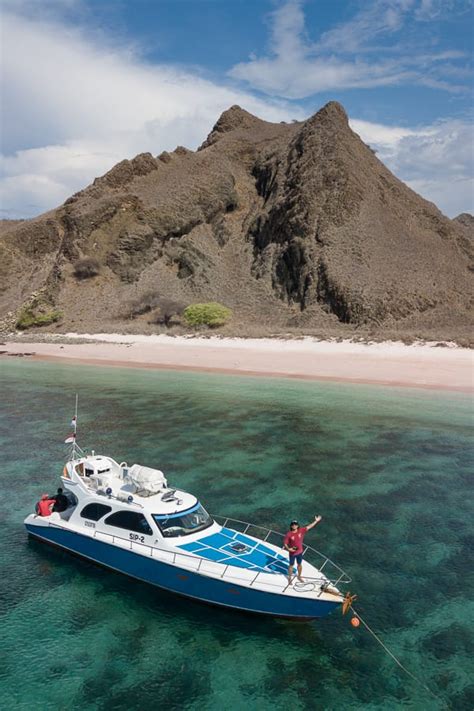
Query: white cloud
(428, 10)
(374, 20)
(436, 160)
(380, 134)
(345, 57)
(451, 196)
(82, 105)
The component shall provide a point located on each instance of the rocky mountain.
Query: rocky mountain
(294, 226)
(466, 221)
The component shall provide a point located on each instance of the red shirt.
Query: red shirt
(294, 539)
(44, 507)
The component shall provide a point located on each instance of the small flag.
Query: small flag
(70, 439)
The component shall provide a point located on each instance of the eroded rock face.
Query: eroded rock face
(466, 221)
(278, 221)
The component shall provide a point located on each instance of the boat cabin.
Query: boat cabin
(132, 502)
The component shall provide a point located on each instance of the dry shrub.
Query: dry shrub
(167, 308)
(86, 268)
(164, 309)
(143, 304)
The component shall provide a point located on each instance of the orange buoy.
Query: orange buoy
(355, 622)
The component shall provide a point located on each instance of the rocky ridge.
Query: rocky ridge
(293, 226)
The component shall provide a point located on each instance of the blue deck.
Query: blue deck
(220, 548)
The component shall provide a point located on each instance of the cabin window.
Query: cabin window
(95, 511)
(71, 498)
(131, 521)
(183, 524)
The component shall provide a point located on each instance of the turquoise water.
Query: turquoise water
(390, 471)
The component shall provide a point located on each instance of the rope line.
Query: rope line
(377, 638)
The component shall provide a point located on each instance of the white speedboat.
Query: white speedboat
(128, 519)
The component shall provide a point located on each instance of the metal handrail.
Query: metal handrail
(195, 557)
(173, 554)
(343, 576)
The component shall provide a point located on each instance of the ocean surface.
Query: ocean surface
(390, 470)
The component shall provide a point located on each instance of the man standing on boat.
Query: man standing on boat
(293, 543)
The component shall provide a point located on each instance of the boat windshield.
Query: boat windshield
(183, 524)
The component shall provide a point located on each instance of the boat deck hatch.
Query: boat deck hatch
(239, 547)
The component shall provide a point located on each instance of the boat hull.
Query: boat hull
(181, 581)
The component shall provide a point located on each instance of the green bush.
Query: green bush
(211, 314)
(28, 319)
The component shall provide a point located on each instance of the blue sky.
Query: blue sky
(86, 83)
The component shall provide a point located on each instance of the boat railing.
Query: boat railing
(333, 572)
(197, 564)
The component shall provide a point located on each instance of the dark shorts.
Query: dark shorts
(296, 556)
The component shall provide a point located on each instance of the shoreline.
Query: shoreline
(388, 363)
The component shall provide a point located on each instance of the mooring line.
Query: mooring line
(397, 661)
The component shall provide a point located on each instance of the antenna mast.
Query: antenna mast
(71, 439)
(74, 423)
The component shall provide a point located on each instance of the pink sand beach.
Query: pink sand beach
(387, 363)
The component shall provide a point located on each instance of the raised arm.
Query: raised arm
(317, 520)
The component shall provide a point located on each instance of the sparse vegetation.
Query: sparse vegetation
(167, 308)
(211, 314)
(163, 309)
(143, 304)
(86, 268)
(29, 319)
